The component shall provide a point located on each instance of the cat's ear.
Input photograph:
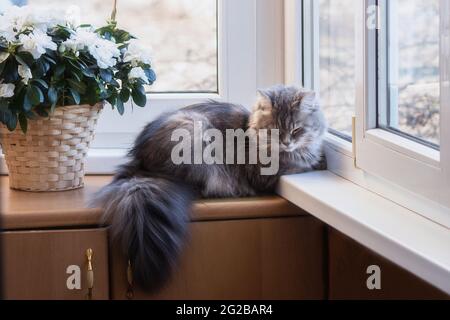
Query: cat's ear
(263, 102)
(310, 101)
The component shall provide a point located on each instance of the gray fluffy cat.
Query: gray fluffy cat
(148, 201)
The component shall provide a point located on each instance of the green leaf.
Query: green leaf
(3, 104)
(75, 96)
(10, 74)
(49, 59)
(23, 121)
(27, 105)
(88, 73)
(41, 112)
(41, 82)
(106, 75)
(125, 94)
(74, 64)
(11, 122)
(114, 83)
(59, 70)
(21, 61)
(77, 74)
(120, 107)
(139, 96)
(122, 36)
(151, 75)
(30, 115)
(26, 57)
(35, 95)
(4, 115)
(52, 96)
(2, 66)
(78, 86)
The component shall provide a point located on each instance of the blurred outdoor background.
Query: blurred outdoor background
(182, 36)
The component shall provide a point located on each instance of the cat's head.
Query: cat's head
(294, 112)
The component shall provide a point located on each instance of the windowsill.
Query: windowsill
(402, 236)
(50, 210)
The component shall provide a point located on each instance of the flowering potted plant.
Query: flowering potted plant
(55, 77)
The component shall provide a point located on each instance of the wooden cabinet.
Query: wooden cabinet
(348, 263)
(34, 264)
(280, 258)
(252, 248)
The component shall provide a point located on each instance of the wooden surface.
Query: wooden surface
(34, 263)
(26, 211)
(248, 259)
(348, 263)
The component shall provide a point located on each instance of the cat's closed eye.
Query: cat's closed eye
(298, 131)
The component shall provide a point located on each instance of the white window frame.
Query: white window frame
(251, 56)
(409, 164)
(399, 169)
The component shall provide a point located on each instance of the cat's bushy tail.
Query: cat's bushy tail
(149, 219)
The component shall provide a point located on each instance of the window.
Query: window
(329, 59)
(337, 63)
(182, 34)
(386, 61)
(410, 47)
(402, 123)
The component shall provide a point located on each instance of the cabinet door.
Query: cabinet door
(243, 259)
(51, 264)
(349, 262)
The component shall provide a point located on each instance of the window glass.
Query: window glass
(413, 77)
(182, 35)
(337, 62)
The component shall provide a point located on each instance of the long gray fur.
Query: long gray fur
(148, 203)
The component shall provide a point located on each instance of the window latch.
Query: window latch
(354, 141)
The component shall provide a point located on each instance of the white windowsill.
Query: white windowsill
(410, 240)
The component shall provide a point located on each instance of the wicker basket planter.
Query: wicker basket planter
(51, 155)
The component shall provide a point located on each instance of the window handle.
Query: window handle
(355, 163)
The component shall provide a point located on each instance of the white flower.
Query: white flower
(17, 19)
(3, 56)
(104, 51)
(24, 73)
(7, 30)
(138, 73)
(136, 54)
(6, 90)
(36, 43)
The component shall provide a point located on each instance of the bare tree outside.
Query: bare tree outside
(414, 84)
(337, 62)
(417, 22)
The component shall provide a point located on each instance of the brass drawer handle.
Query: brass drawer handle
(90, 273)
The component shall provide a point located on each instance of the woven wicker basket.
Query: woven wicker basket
(51, 155)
